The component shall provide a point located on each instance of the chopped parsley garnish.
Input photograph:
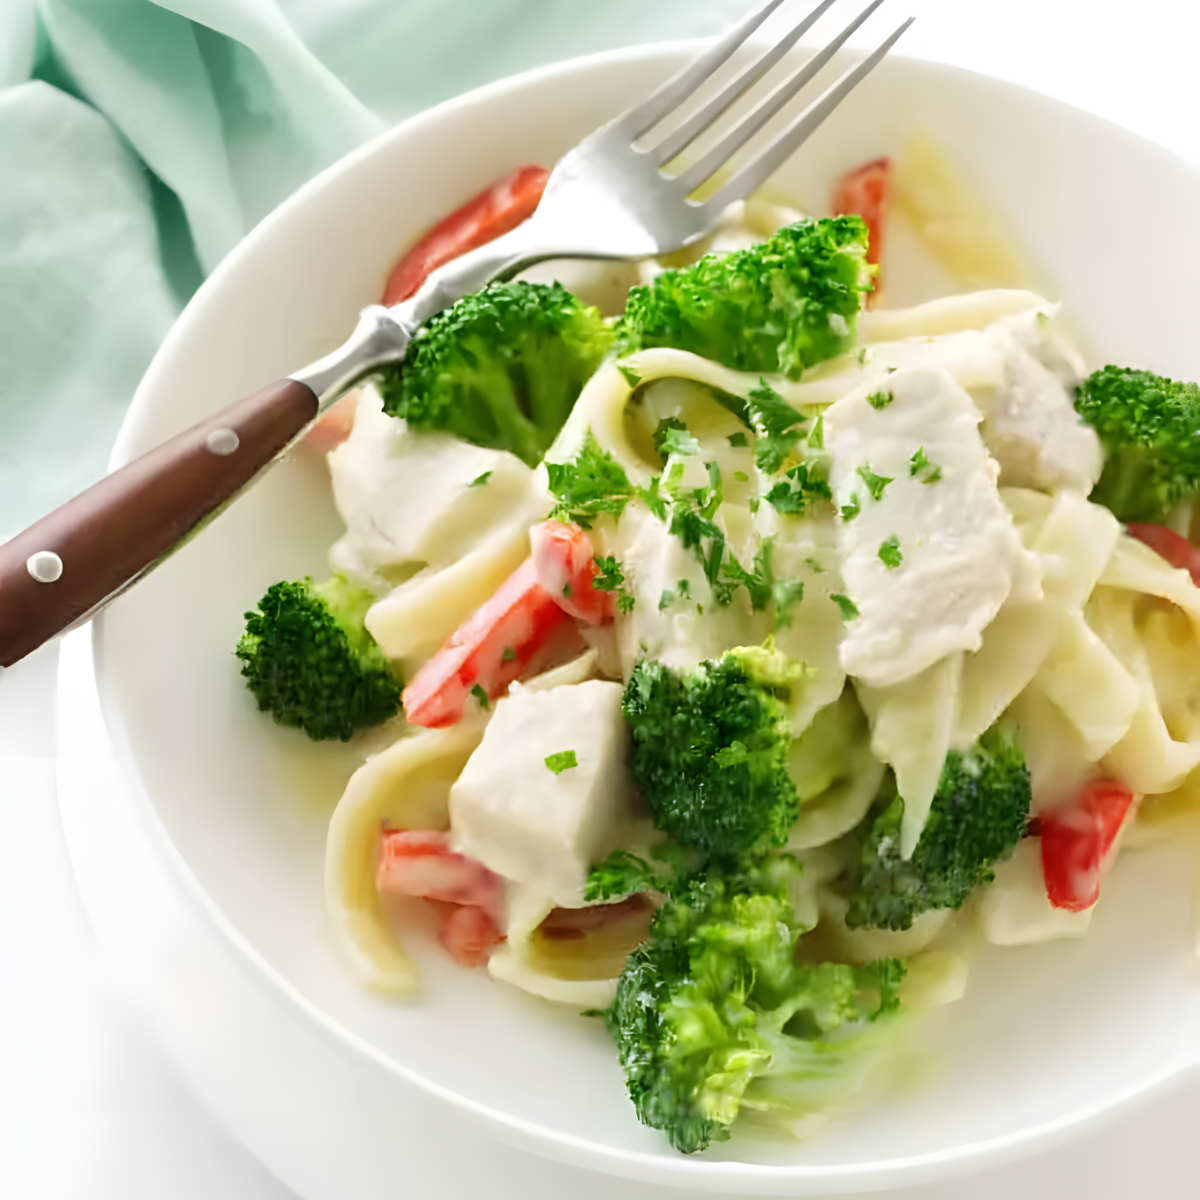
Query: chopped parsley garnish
(653, 498)
(799, 488)
(480, 480)
(880, 399)
(507, 654)
(814, 566)
(564, 760)
(919, 467)
(611, 578)
(851, 508)
(666, 600)
(777, 424)
(848, 608)
(758, 579)
(611, 575)
(816, 439)
(481, 696)
(862, 357)
(566, 591)
(692, 522)
(684, 588)
(738, 439)
(672, 437)
(694, 527)
(889, 553)
(875, 483)
(786, 593)
(630, 376)
(590, 484)
(741, 477)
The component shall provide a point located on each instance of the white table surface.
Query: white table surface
(90, 1109)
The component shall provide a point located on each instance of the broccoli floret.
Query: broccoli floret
(713, 1013)
(780, 306)
(501, 368)
(978, 815)
(710, 749)
(310, 662)
(1150, 429)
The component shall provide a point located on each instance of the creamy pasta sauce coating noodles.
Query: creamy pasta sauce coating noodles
(956, 575)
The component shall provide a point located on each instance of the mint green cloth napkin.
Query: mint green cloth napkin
(140, 139)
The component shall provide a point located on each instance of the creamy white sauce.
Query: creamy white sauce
(1029, 422)
(959, 551)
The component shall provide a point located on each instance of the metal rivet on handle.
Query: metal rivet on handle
(222, 441)
(45, 566)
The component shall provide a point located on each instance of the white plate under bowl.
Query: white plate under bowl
(1047, 1038)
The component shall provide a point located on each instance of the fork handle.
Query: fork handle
(76, 558)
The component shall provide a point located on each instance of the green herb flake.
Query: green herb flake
(816, 439)
(610, 574)
(889, 553)
(481, 696)
(630, 376)
(741, 477)
(880, 399)
(507, 654)
(814, 566)
(610, 577)
(799, 488)
(786, 594)
(671, 437)
(846, 606)
(564, 760)
(480, 480)
(589, 485)
(862, 357)
(758, 579)
(919, 467)
(875, 483)
(738, 440)
(653, 499)
(777, 424)
(666, 600)
(851, 508)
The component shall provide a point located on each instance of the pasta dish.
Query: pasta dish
(744, 650)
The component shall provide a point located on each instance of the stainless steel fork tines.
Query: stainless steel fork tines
(672, 98)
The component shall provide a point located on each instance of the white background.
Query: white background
(89, 1108)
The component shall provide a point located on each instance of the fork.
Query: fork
(607, 198)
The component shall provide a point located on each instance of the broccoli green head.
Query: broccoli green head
(310, 662)
(1150, 429)
(779, 306)
(710, 749)
(713, 1013)
(978, 815)
(501, 368)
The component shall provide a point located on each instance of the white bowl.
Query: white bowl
(234, 956)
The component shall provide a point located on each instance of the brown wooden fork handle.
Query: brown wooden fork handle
(78, 556)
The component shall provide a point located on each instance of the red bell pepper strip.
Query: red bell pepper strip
(565, 567)
(1174, 547)
(509, 636)
(1077, 842)
(866, 191)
